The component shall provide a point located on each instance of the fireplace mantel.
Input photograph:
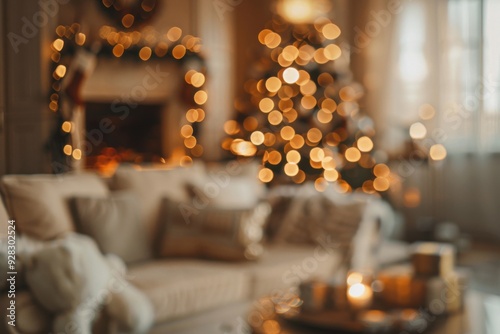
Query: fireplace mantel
(151, 82)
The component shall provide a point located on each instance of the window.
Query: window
(470, 76)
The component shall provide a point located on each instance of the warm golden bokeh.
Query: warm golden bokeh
(437, 152)
(418, 131)
(174, 34)
(274, 157)
(273, 84)
(317, 154)
(314, 135)
(60, 71)
(66, 126)
(291, 75)
(381, 170)
(58, 44)
(291, 169)
(297, 142)
(275, 117)
(266, 175)
(287, 132)
(365, 144)
(179, 51)
(257, 138)
(352, 154)
(293, 157)
(426, 111)
(331, 175)
(145, 53)
(266, 105)
(331, 31)
(200, 97)
(381, 184)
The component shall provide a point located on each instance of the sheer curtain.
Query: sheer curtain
(443, 58)
(470, 71)
(445, 55)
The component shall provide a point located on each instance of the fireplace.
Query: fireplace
(128, 116)
(136, 138)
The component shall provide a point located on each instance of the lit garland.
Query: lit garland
(130, 14)
(145, 45)
(308, 125)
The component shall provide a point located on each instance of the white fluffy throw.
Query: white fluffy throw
(72, 279)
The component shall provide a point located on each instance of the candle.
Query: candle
(359, 295)
(338, 296)
(314, 296)
(433, 259)
(376, 321)
(359, 291)
(400, 288)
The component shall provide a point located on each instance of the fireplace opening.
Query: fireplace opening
(134, 135)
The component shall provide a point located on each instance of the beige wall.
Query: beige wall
(26, 112)
(170, 13)
(3, 157)
(250, 17)
(464, 189)
(199, 18)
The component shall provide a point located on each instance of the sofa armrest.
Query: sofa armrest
(375, 229)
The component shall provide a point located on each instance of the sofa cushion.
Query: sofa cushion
(39, 203)
(151, 186)
(213, 233)
(232, 185)
(284, 266)
(180, 288)
(101, 218)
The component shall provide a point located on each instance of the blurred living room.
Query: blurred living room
(250, 166)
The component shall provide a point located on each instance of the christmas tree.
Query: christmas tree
(302, 117)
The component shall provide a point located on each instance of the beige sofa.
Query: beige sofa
(189, 295)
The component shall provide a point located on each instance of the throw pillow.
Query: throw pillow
(39, 203)
(212, 233)
(232, 185)
(316, 217)
(114, 223)
(152, 185)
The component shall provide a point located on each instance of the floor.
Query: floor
(482, 314)
(483, 300)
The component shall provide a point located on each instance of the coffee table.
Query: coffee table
(481, 313)
(473, 320)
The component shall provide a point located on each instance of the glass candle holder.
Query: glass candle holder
(314, 296)
(359, 290)
(376, 321)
